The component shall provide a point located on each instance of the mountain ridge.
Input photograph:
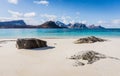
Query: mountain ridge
(47, 24)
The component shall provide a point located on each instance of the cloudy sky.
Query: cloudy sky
(99, 12)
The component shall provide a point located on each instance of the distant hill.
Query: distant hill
(95, 27)
(12, 24)
(83, 26)
(49, 24)
(16, 22)
(77, 26)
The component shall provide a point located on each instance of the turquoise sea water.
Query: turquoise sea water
(57, 33)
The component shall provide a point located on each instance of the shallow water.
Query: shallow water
(57, 33)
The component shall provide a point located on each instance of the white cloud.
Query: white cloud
(116, 21)
(66, 19)
(4, 19)
(31, 14)
(72, 21)
(15, 14)
(48, 17)
(84, 22)
(10, 18)
(19, 14)
(27, 17)
(77, 13)
(42, 2)
(101, 22)
(13, 1)
(105, 23)
(29, 21)
(113, 23)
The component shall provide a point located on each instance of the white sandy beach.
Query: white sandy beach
(52, 61)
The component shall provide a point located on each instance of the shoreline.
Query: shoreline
(60, 37)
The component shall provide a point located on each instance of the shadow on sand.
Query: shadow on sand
(44, 48)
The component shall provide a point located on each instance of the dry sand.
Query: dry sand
(52, 61)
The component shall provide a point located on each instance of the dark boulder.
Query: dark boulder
(91, 39)
(30, 43)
